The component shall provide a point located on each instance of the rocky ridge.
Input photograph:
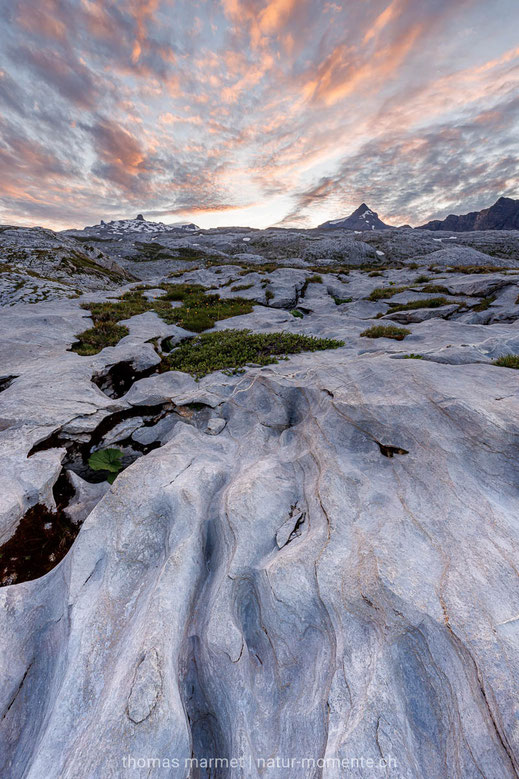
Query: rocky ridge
(503, 215)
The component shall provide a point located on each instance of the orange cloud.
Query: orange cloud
(390, 13)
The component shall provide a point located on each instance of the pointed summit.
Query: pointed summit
(363, 218)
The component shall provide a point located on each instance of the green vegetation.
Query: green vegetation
(297, 314)
(379, 293)
(508, 361)
(109, 460)
(412, 356)
(414, 304)
(198, 312)
(269, 295)
(96, 338)
(422, 279)
(240, 287)
(477, 269)
(375, 273)
(386, 331)
(315, 279)
(340, 301)
(484, 303)
(231, 350)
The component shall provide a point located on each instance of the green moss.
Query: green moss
(231, 350)
(297, 314)
(412, 356)
(375, 273)
(380, 293)
(386, 331)
(484, 303)
(340, 301)
(422, 279)
(198, 312)
(476, 269)
(241, 287)
(508, 361)
(415, 304)
(269, 295)
(96, 338)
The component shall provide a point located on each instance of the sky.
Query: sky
(256, 112)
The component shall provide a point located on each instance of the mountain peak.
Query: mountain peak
(503, 215)
(363, 218)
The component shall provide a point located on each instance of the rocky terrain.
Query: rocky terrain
(259, 503)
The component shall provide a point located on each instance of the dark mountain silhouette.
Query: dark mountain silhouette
(503, 215)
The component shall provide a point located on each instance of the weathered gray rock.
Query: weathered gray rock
(215, 425)
(317, 562)
(219, 610)
(421, 314)
(463, 255)
(86, 497)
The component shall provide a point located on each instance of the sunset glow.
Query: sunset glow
(256, 112)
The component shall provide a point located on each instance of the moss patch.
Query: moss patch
(508, 361)
(198, 312)
(386, 331)
(379, 293)
(414, 304)
(432, 289)
(484, 303)
(231, 350)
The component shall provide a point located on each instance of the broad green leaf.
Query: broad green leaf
(106, 460)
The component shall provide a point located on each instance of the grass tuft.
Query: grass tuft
(386, 331)
(379, 293)
(415, 304)
(508, 361)
(435, 289)
(96, 338)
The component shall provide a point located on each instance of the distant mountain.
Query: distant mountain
(120, 227)
(361, 219)
(503, 215)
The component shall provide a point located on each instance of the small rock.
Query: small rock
(215, 425)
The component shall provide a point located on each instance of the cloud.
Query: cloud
(296, 109)
(414, 177)
(71, 79)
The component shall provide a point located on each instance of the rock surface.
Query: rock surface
(310, 561)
